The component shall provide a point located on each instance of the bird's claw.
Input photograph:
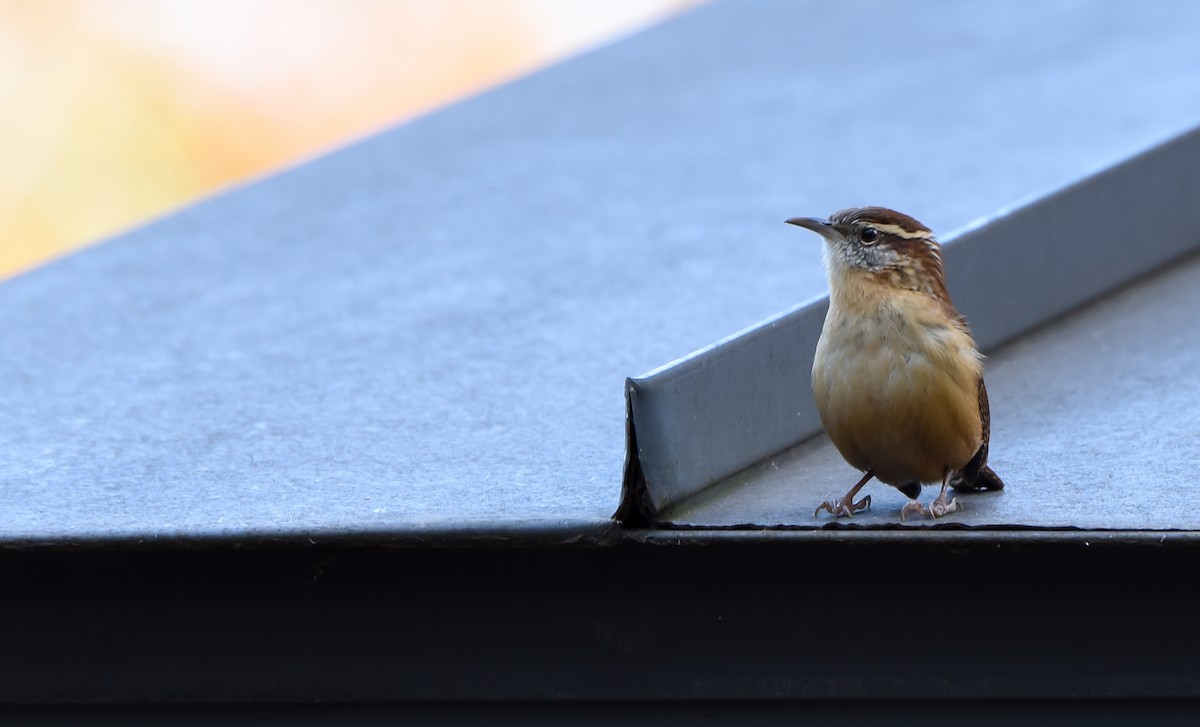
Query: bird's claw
(844, 506)
(938, 508)
(941, 507)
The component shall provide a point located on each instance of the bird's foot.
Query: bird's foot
(936, 509)
(941, 506)
(843, 506)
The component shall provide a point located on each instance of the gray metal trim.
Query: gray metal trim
(710, 415)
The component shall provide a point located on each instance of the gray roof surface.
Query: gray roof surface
(428, 331)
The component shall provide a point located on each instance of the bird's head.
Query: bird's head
(890, 246)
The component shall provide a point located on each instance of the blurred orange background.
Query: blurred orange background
(120, 110)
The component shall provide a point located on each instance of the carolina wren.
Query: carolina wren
(897, 378)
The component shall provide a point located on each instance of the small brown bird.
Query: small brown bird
(897, 378)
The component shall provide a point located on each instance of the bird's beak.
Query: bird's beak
(821, 227)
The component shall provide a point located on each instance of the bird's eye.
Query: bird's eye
(869, 236)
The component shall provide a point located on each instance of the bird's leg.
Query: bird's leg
(846, 505)
(937, 508)
(941, 506)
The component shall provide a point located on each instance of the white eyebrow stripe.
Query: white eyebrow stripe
(899, 231)
(934, 249)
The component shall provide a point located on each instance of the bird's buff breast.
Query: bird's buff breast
(897, 386)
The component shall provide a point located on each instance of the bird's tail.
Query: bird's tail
(986, 479)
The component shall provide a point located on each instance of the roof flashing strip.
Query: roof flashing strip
(713, 413)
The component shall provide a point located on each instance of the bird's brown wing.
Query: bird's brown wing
(977, 475)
